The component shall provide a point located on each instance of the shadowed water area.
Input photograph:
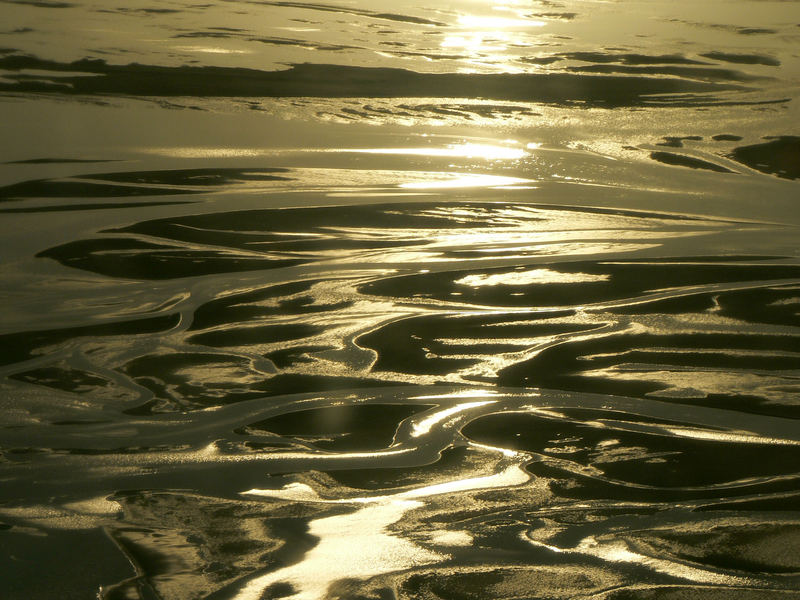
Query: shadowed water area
(387, 301)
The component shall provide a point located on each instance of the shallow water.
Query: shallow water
(373, 300)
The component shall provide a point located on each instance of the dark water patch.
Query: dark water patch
(569, 284)
(541, 60)
(726, 137)
(146, 409)
(258, 306)
(66, 379)
(259, 334)
(291, 383)
(300, 229)
(261, 303)
(654, 460)
(137, 183)
(88, 206)
(731, 547)
(64, 188)
(42, 3)
(780, 156)
(691, 303)
(570, 479)
(259, 239)
(737, 29)
(772, 305)
(273, 41)
(630, 58)
(681, 160)
(338, 81)
(301, 220)
(621, 212)
(755, 31)
(97, 564)
(454, 462)
(48, 161)
(633, 364)
(129, 258)
(342, 428)
(760, 402)
(561, 16)
(149, 11)
(16, 347)
(444, 110)
(700, 73)
(746, 59)
(208, 35)
(407, 19)
(673, 141)
(430, 55)
(188, 381)
(437, 345)
(194, 176)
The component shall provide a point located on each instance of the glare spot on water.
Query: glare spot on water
(466, 150)
(535, 276)
(464, 181)
(425, 425)
(204, 152)
(211, 50)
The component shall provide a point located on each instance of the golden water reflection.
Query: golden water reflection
(465, 180)
(534, 276)
(370, 547)
(462, 150)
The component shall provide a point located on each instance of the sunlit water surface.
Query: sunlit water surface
(379, 301)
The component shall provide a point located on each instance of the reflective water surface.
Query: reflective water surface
(385, 301)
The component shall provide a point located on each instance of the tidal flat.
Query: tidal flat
(385, 301)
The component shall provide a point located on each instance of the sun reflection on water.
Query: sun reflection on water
(370, 547)
(534, 276)
(465, 180)
(464, 150)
